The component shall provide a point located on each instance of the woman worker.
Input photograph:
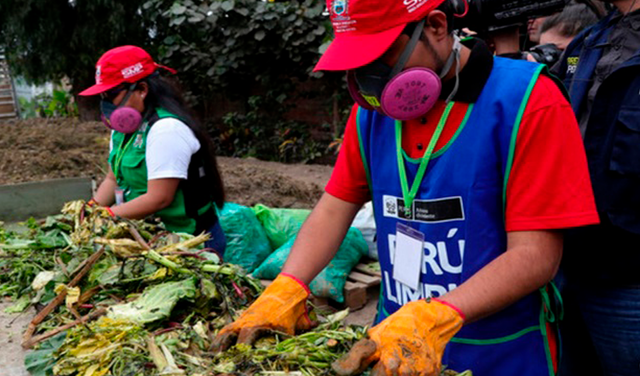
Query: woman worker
(161, 159)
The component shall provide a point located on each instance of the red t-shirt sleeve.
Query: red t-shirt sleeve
(348, 180)
(549, 185)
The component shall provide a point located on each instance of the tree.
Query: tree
(256, 53)
(46, 40)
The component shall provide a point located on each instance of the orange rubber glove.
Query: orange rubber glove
(409, 342)
(281, 307)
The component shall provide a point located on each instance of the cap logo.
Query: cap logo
(339, 8)
(133, 70)
(340, 16)
(98, 75)
(413, 5)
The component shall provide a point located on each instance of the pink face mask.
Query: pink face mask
(125, 120)
(121, 118)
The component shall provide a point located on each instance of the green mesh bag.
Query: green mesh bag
(280, 225)
(331, 280)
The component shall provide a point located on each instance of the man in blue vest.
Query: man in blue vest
(473, 164)
(601, 69)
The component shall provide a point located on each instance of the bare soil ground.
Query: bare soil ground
(41, 149)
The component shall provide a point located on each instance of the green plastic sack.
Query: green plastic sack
(247, 243)
(280, 225)
(331, 280)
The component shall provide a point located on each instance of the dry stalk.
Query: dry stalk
(26, 338)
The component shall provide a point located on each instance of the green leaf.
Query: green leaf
(40, 362)
(260, 35)
(178, 21)
(323, 48)
(178, 9)
(227, 5)
(155, 303)
(196, 18)
(19, 306)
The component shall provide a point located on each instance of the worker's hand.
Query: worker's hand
(409, 342)
(94, 204)
(281, 307)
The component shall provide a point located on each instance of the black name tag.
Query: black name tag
(438, 210)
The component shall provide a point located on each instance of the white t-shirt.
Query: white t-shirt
(170, 145)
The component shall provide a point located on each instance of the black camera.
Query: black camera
(490, 15)
(547, 54)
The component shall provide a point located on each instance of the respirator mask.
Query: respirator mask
(402, 95)
(120, 118)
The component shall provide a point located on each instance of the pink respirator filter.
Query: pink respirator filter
(411, 94)
(125, 120)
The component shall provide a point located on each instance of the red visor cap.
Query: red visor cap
(122, 64)
(365, 29)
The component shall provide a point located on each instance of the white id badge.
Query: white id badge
(119, 196)
(407, 262)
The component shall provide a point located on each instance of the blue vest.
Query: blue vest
(460, 209)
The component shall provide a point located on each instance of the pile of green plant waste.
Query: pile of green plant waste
(142, 284)
(127, 298)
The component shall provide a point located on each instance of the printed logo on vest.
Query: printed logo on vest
(441, 268)
(572, 64)
(427, 211)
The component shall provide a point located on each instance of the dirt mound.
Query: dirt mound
(42, 149)
(250, 181)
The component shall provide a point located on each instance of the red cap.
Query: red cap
(365, 29)
(122, 64)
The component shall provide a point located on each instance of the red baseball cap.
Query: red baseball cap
(365, 29)
(122, 64)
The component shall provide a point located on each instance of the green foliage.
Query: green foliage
(46, 40)
(257, 53)
(253, 134)
(232, 44)
(58, 104)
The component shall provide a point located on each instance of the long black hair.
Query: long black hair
(165, 95)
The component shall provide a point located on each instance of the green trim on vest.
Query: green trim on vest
(128, 161)
(495, 341)
(545, 337)
(514, 134)
(448, 145)
(362, 155)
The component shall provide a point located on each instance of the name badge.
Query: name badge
(407, 261)
(119, 196)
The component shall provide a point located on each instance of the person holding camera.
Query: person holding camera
(474, 164)
(558, 31)
(601, 69)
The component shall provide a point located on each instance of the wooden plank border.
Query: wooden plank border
(18, 202)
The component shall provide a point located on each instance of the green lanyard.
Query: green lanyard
(410, 195)
(118, 162)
